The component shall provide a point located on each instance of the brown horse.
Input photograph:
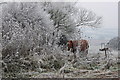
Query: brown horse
(81, 45)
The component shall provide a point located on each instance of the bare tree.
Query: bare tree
(87, 18)
(67, 18)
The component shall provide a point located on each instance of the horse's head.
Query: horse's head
(69, 45)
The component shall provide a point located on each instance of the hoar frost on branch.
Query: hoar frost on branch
(28, 28)
(24, 21)
(67, 17)
(36, 24)
(87, 18)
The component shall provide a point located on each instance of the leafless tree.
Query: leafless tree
(87, 18)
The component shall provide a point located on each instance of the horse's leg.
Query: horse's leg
(86, 54)
(105, 54)
(74, 52)
(77, 52)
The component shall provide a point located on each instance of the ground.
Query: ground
(96, 66)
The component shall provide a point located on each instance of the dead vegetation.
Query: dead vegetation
(65, 66)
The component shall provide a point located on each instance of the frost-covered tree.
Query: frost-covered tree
(25, 26)
(87, 18)
(32, 28)
(61, 15)
(67, 17)
(26, 22)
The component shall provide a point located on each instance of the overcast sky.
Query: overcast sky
(109, 13)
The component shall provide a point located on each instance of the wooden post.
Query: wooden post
(105, 54)
(103, 48)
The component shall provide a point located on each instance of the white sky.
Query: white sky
(109, 13)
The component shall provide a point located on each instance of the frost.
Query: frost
(34, 38)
